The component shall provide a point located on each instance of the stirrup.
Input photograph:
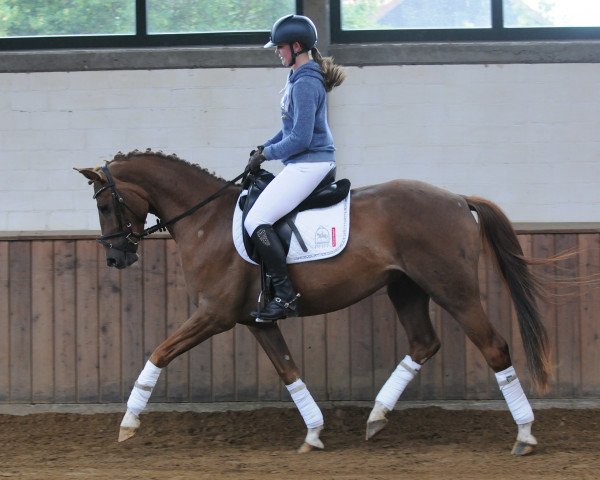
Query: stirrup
(287, 308)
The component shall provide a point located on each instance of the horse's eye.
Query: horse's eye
(104, 209)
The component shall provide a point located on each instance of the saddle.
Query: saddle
(327, 193)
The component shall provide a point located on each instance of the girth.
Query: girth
(327, 193)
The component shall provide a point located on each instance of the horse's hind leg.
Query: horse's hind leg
(271, 340)
(412, 306)
(465, 307)
(495, 351)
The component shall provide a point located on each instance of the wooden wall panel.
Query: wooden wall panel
(19, 315)
(223, 367)
(109, 332)
(246, 379)
(86, 316)
(589, 313)
(314, 354)
(338, 354)
(42, 311)
(361, 351)
(4, 322)
(132, 326)
(568, 338)
(73, 330)
(65, 331)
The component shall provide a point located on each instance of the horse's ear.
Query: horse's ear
(92, 174)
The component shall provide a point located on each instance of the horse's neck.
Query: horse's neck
(172, 187)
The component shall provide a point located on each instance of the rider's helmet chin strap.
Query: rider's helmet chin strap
(295, 54)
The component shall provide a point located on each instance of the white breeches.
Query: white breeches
(285, 192)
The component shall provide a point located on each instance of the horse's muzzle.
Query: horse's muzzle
(120, 259)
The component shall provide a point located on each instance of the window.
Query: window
(137, 23)
(448, 20)
(205, 16)
(35, 18)
(551, 13)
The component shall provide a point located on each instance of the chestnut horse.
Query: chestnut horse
(419, 241)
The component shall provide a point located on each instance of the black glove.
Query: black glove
(255, 160)
(259, 149)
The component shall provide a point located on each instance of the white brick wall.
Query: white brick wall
(525, 136)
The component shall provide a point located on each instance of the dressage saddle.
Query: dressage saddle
(328, 193)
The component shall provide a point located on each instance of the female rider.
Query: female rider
(304, 145)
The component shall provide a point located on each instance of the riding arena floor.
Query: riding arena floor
(418, 443)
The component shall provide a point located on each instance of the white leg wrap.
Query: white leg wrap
(140, 394)
(515, 397)
(389, 394)
(313, 418)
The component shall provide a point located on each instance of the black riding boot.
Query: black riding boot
(271, 252)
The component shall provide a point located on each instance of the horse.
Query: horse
(419, 241)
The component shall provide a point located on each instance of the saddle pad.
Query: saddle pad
(324, 230)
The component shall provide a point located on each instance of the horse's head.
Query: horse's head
(122, 210)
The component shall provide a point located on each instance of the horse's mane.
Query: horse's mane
(120, 156)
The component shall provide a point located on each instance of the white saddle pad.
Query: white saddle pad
(325, 232)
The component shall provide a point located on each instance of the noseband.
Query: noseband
(125, 226)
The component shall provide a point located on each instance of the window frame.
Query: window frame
(140, 39)
(496, 33)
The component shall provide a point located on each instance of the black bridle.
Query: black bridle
(126, 227)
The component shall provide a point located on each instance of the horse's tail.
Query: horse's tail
(524, 287)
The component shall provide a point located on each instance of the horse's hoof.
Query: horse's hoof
(305, 448)
(126, 433)
(129, 426)
(522, 448)
(312, 441)
(374, 427)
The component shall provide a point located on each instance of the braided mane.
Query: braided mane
(120, 156)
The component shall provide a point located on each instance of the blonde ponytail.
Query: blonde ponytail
(333, 74)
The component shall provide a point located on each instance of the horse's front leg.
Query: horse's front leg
(199, 327)
(273, 343)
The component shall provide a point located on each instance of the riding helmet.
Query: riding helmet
(293, 28)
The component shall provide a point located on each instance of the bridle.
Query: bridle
(126, 227)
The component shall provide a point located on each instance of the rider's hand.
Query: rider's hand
(255, 160)
(259, 149)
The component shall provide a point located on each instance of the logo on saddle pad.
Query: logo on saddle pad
(323, 239)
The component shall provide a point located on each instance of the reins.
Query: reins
(135, 237)
(161, 226)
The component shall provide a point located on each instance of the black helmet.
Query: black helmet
(293, 28)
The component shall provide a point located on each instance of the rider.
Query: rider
(304, 145)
